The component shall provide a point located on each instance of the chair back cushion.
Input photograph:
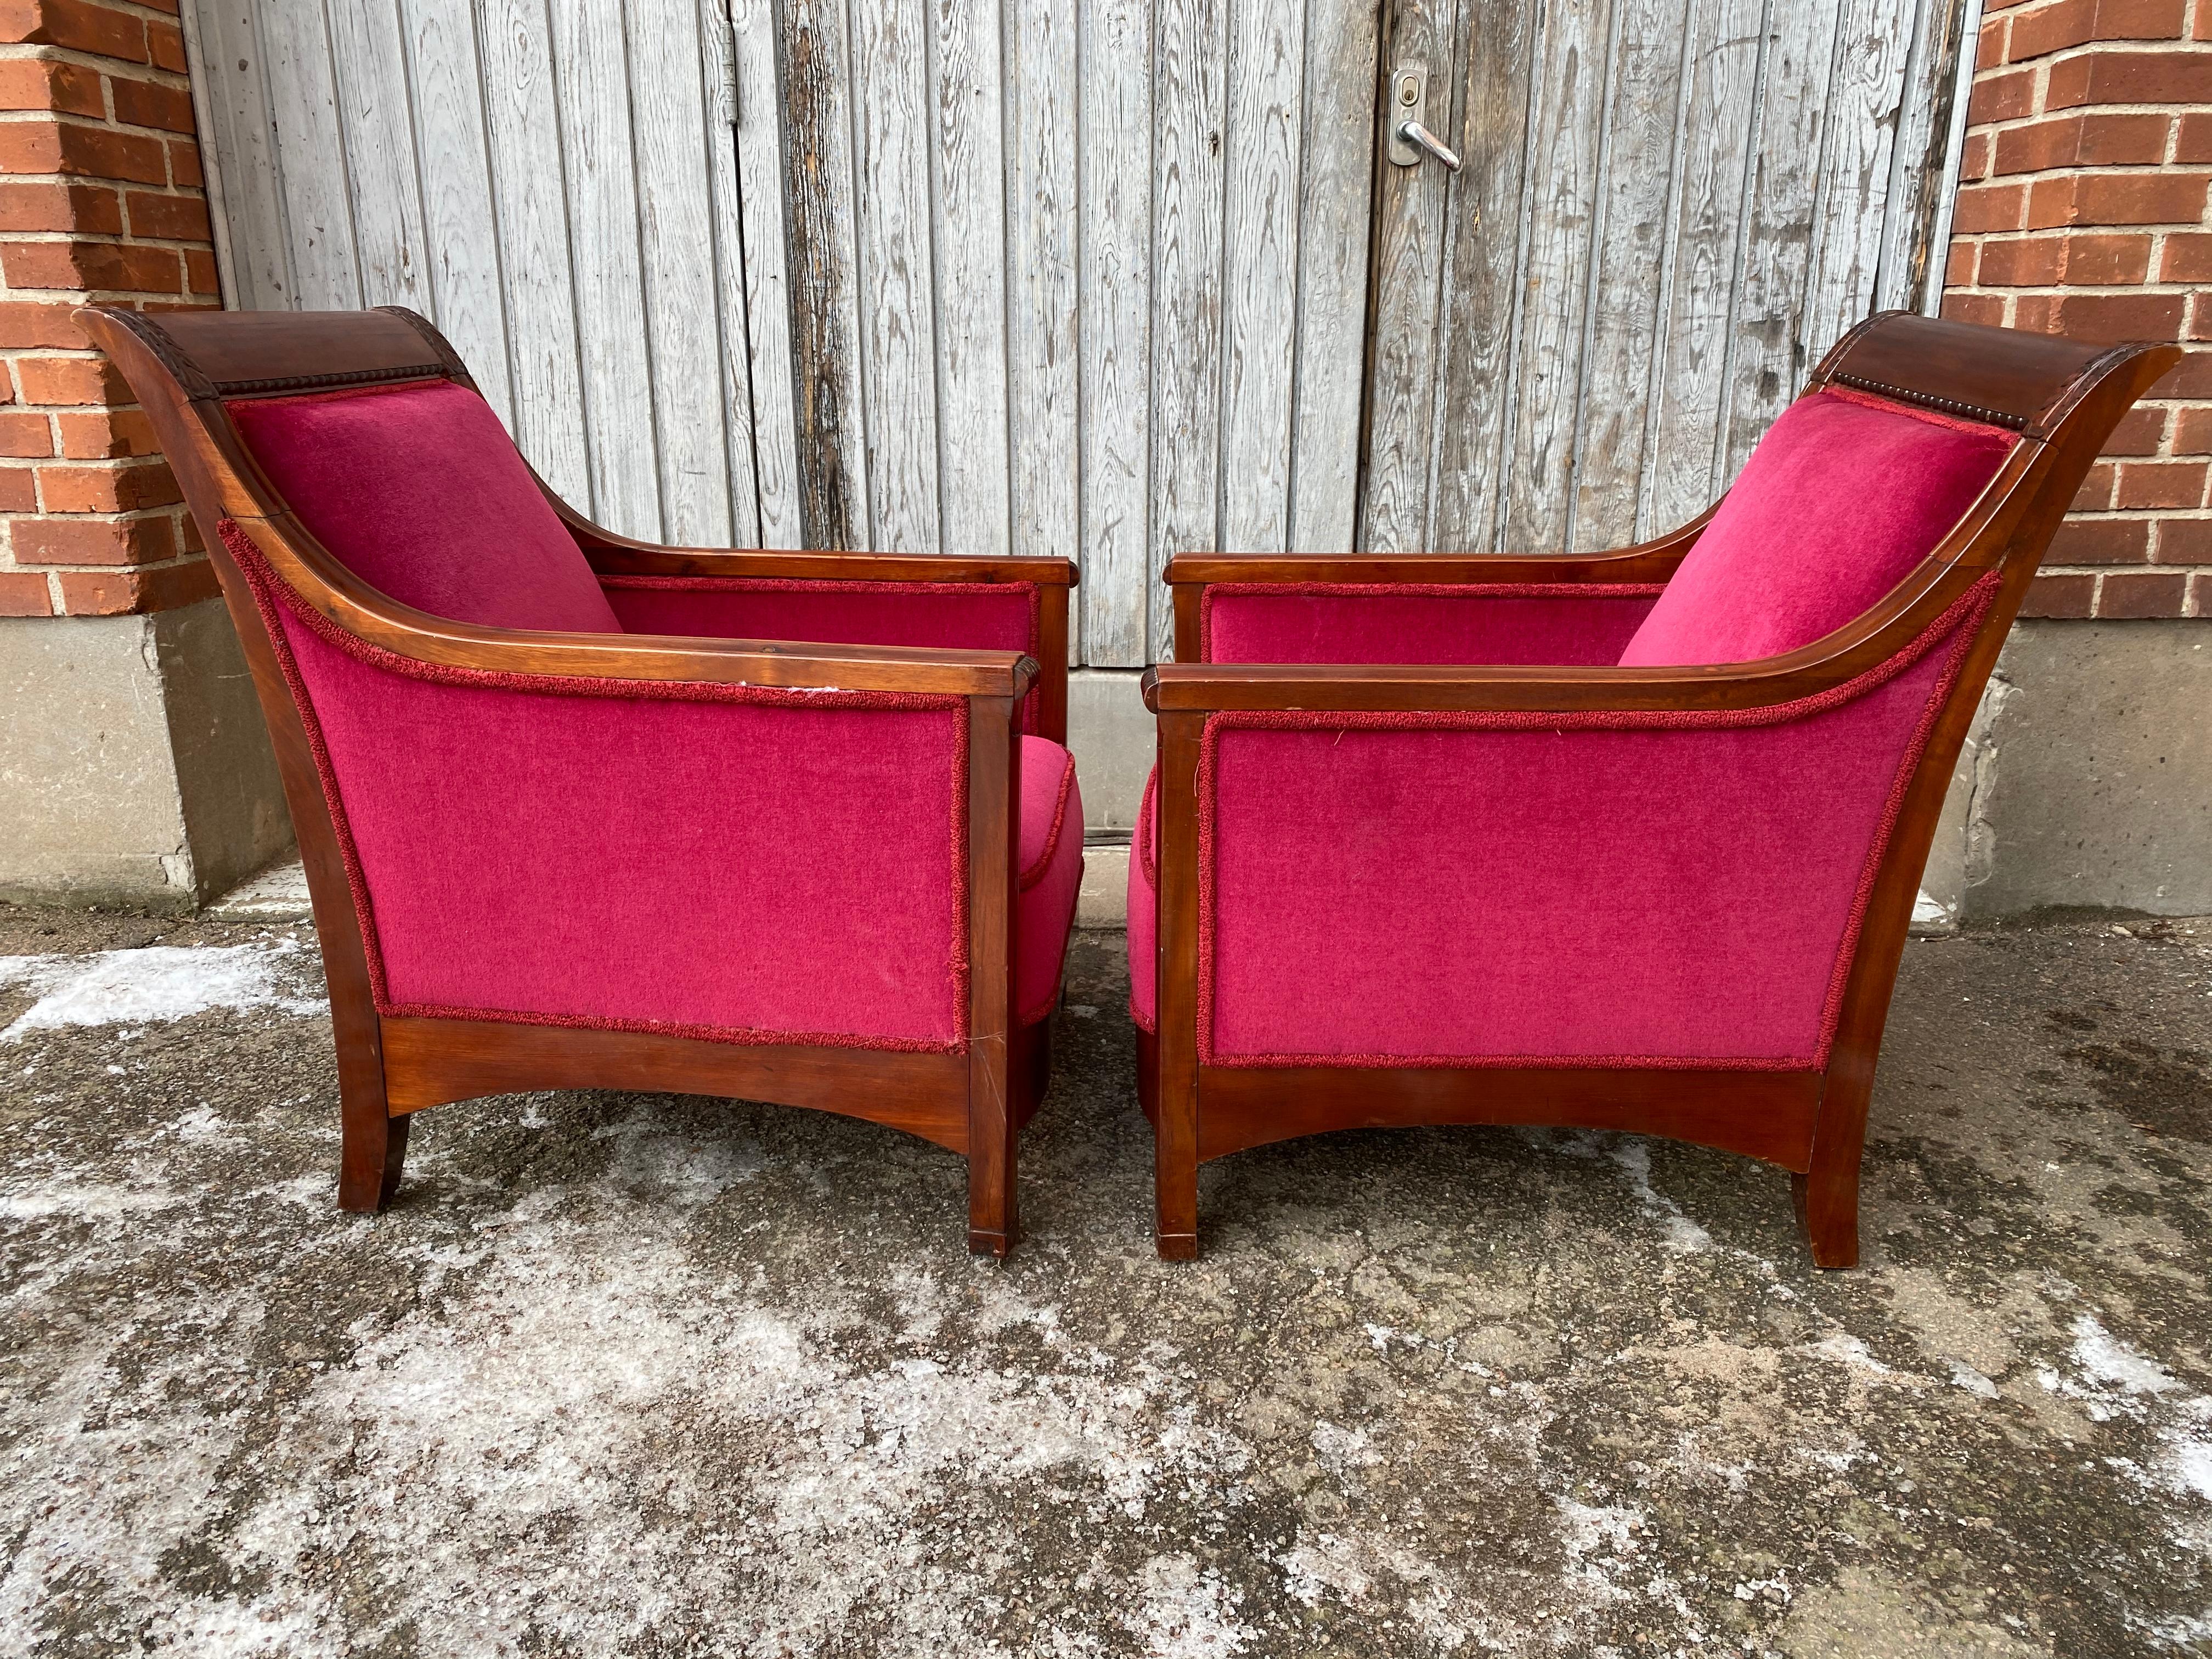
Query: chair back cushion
(1841, 499)
(419, 492)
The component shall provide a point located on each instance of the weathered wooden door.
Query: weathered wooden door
(1107, 278)
(1664, 213)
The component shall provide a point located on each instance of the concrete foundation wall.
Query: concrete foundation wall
(2088, 778)
(135, 769)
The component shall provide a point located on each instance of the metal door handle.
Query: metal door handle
(1417, 136)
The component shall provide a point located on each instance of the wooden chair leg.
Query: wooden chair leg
(992, 1120)
(1174, 1112)
(374, 1151)
(1827, 1196)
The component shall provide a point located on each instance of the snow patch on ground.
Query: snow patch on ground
(153, 986)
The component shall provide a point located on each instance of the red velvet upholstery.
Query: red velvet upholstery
(1418, 622)
(1050, 822)
(1143, 907)
(418, 490)
(1532, 890)
(1844, 495)
(734, 863)
(964, 616)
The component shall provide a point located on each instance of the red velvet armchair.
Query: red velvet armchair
(577, 812)
(1627, 839)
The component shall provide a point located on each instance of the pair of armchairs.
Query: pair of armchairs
(1627, 839)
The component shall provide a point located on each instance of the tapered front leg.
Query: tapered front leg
(1175, 1083)
(994, 1114)
(374, 1150)
(1827, 1196)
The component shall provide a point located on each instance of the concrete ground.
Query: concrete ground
(639, 1375)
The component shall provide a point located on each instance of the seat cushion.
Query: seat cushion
(1844, 495)
(1049, 836)
(418, 490)
(1144, 906)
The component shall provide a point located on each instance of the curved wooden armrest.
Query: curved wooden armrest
(336, 593)
(617, 555)
(1645, 562)
(1173, 688)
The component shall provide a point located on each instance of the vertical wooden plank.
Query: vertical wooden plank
(230, 105)
(1768, 348)
(600, 169)
(1635, 195)
(1874, 47)
(745, 161)
(376, 117)
(304, 117)
(1115, 94)
(523, 144)
(1190, 52)
(892, 134)
(1566, 132)
(460, 238)
(719, 69)
(1404, 378)
(675, 234)
(1335, 185)
(1485, 238)
(1924, 164)
(968, 198)
(1042, 234)
(817, 84)
(1260, 268)
(1686, 402)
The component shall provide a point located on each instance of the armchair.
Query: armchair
(579, 811)
(1627, 839)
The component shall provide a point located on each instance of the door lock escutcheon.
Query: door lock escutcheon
(1411, 141)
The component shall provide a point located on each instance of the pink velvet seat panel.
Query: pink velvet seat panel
(1320, 623)
(960, 615)
(1539, 890)
(1844, 495)
(1143, 907)
(774, 868)
(1050, 829)
(418, 490)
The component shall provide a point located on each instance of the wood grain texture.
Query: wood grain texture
(1921, 174)
(968, 179)
(1263, 139)
(678, 252)
(816, 82)
(369, 74)
(523, 139)
(1404, 356)
(1636, 196)
(1189, 94)
(1852, 209)
(746, 160)
(303, 116)
(1689, 371)
(1335, 183)
(1487, 233)
(1114, 303)
(460, 223)
(893, 136)
(1043, 274)
(600, 179)
(1566, 138)
(231, 96)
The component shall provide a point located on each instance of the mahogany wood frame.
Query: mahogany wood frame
(184, 367)
(2063, 398)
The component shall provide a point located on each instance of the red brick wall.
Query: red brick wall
(99, 200)
(2082, 210)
